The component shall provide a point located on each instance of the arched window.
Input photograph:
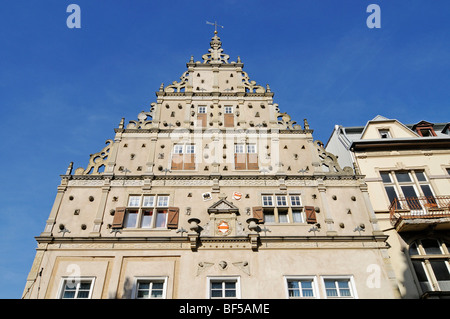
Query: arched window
(431, 262)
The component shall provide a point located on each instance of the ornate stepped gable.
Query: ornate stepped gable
(216, 94)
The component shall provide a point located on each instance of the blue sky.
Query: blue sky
(63, 91)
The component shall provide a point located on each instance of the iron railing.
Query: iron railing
(419, 207)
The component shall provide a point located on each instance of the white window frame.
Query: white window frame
(202, 109)
(385, 132)
(236, 279)
(77, 281)
(315, 286)
(178, 149)
(157, 205)
(228, 109)
(351, 284)
(134, 293)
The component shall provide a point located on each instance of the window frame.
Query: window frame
(78, 281)
(313, 279)
(348, 278)
(276, 210)
(134, 294)
(154, 210)
(223, 279)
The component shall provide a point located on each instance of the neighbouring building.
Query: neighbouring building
(407, 171)
(212, 193)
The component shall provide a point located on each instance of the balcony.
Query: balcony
(419, 213)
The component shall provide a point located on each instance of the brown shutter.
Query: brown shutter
(172, 218)
(119, 217)
(229, 119)
(201, 119)
(258, 213)
(310, 214)
(239, 161)
(252, 161)
(177, 161)
(189, 161)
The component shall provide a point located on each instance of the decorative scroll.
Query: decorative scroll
(215, 54)
(328, 161)
(98, 160)
(178, 86)
(250, 86)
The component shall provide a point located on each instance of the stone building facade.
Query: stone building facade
(212, 193)
(407, 171)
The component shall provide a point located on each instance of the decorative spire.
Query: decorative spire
(215, 54)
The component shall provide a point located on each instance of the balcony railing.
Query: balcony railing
(419, 207)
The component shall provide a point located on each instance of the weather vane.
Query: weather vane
(215, 26)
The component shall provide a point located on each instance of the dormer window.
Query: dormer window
(425, 132)
(385, 133)
(424, 129)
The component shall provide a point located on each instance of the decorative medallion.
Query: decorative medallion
(237, 195)
(223, 228)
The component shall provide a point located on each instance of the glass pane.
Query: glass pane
(281, 201)
(420, 271)
(431, 246)
(158, 285)
(230, 285)
(344, 288)
(230, 293)
(178, 149)
(294, 292)
(131, 218)
(143, 294)
(403, 177)
(157, 293)
(146, 221)
(85, 285)
(202, 109)
(440, 270)
(330, 288)
(385, 176)
(134, 201)
(161, 217)
(409, 192)
(82, 294)
(143, 285)
(190, 149)
(251, 148)
(69, 294)
(216, 293)
(293, 284)
(267, 201)
(392, 195)
(283, 216)
(163, 201)
(216, 285)
(149, 201)
(428, 194)
(269, 217)
(413, 249)
(297, 216)
(239, 148)
(421, 176)
(295, 201)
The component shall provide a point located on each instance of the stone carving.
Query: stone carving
(215, 54)
(251, 86)
(243, 265)
(328, 162)
(287, 123)
(97, 160)
(203, 265)
(142, 122)
(178, 86)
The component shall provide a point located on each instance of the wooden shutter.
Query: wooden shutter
(177, 161)
(310, 214)
(119, 217)
(189, 161)
(258, 213)
(201, 119)
(229, 119)
(239, 161)
(172, 218)
(252, 161)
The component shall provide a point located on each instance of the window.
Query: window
(385, 133)
(77, 288)
(150, 288)
(245, 157)
(222, 288)
(301, 287)
(412, 185)
(142, 208)
(202, 109)
(430, 259)
(282, 208)
(183, 157)
(339, 287)
(228, 109)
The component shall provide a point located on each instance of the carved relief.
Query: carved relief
(97, 161)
